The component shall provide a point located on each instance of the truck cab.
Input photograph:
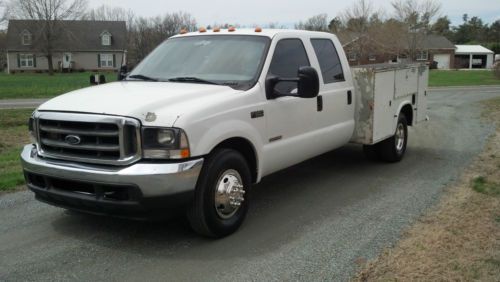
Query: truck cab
(206, 115)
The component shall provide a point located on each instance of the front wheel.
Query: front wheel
(222, 194)
(394, 148)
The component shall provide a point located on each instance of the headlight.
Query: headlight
(164, 143)
(31, 128)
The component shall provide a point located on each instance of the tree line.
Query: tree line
(371, 29)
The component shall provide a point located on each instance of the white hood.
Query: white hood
(167, 100)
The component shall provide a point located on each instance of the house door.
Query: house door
(66, 62)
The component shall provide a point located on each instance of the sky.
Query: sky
(262, 12)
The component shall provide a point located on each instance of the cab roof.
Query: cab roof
(250, 31)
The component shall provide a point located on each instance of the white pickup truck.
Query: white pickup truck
(209, 113)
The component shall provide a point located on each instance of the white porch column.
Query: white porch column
(470, 61)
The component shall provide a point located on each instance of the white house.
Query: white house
(473, 57)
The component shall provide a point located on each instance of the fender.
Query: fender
(225, 130)
(396, 114)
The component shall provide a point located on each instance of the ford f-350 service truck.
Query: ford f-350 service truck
(209, 113)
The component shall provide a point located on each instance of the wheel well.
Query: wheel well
(244, 147)
(407, 110)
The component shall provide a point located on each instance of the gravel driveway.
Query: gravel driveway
(314, 221)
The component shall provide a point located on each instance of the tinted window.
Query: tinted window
(289, 55)
(329, 61)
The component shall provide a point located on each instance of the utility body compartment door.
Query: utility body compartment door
(423, 81)
(381, 92)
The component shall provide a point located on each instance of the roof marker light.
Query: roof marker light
(258, 29)
(216, 29)
(231, 29)
(202, 29)
(183, 31)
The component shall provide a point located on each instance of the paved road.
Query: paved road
(20, 103)
(310, 222)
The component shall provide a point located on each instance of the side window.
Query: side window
(289, 55)
(329, 61)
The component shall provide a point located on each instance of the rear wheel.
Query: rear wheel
(221, 197)
(394, 148)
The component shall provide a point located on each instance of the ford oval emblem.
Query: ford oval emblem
(73, 139)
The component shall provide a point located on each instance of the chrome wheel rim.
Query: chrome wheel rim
(229, 194)
(400, 137)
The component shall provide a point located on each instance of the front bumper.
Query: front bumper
(138, 190)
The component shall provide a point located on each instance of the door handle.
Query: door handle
(319, 103)
(349, 97)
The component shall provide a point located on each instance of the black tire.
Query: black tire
(202, 214)
(388, 150)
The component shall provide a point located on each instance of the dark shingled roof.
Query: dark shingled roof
(432, 41)
(72, 35)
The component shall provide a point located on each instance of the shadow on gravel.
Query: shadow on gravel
(284, 205)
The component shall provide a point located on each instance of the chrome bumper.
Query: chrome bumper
(152, 179)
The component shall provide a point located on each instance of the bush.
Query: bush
(496, 70)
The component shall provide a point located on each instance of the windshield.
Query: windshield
(234, 60)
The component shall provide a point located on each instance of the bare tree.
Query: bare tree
(3, 51)
(51, 14)
(107, 13)
(315, 23)
(361, 28)
(416, 16)
(275, 25)
(2, 13)
(146, 33)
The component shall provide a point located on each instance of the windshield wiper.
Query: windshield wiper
(191, 79)
(143, 77)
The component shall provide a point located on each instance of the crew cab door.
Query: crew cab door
(335, 119)
(289, 119)
(301, 128)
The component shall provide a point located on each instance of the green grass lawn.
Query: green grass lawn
(33, 85)
(439, 78)
(13, 135)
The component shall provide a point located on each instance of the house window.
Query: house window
(106, 39)
(372, 57)
(422, 55)
(352, 56)
(26, 61)
(106, 60)
(26, 38)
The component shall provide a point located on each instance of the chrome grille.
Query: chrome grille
(88, 138)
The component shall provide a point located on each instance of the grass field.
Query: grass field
(438, 78)
(33, 85)
(13, 135)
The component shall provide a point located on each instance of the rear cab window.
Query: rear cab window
(329, 61)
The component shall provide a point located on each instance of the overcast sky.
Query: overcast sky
(262, 12)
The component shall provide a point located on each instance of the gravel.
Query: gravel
(315, 221)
